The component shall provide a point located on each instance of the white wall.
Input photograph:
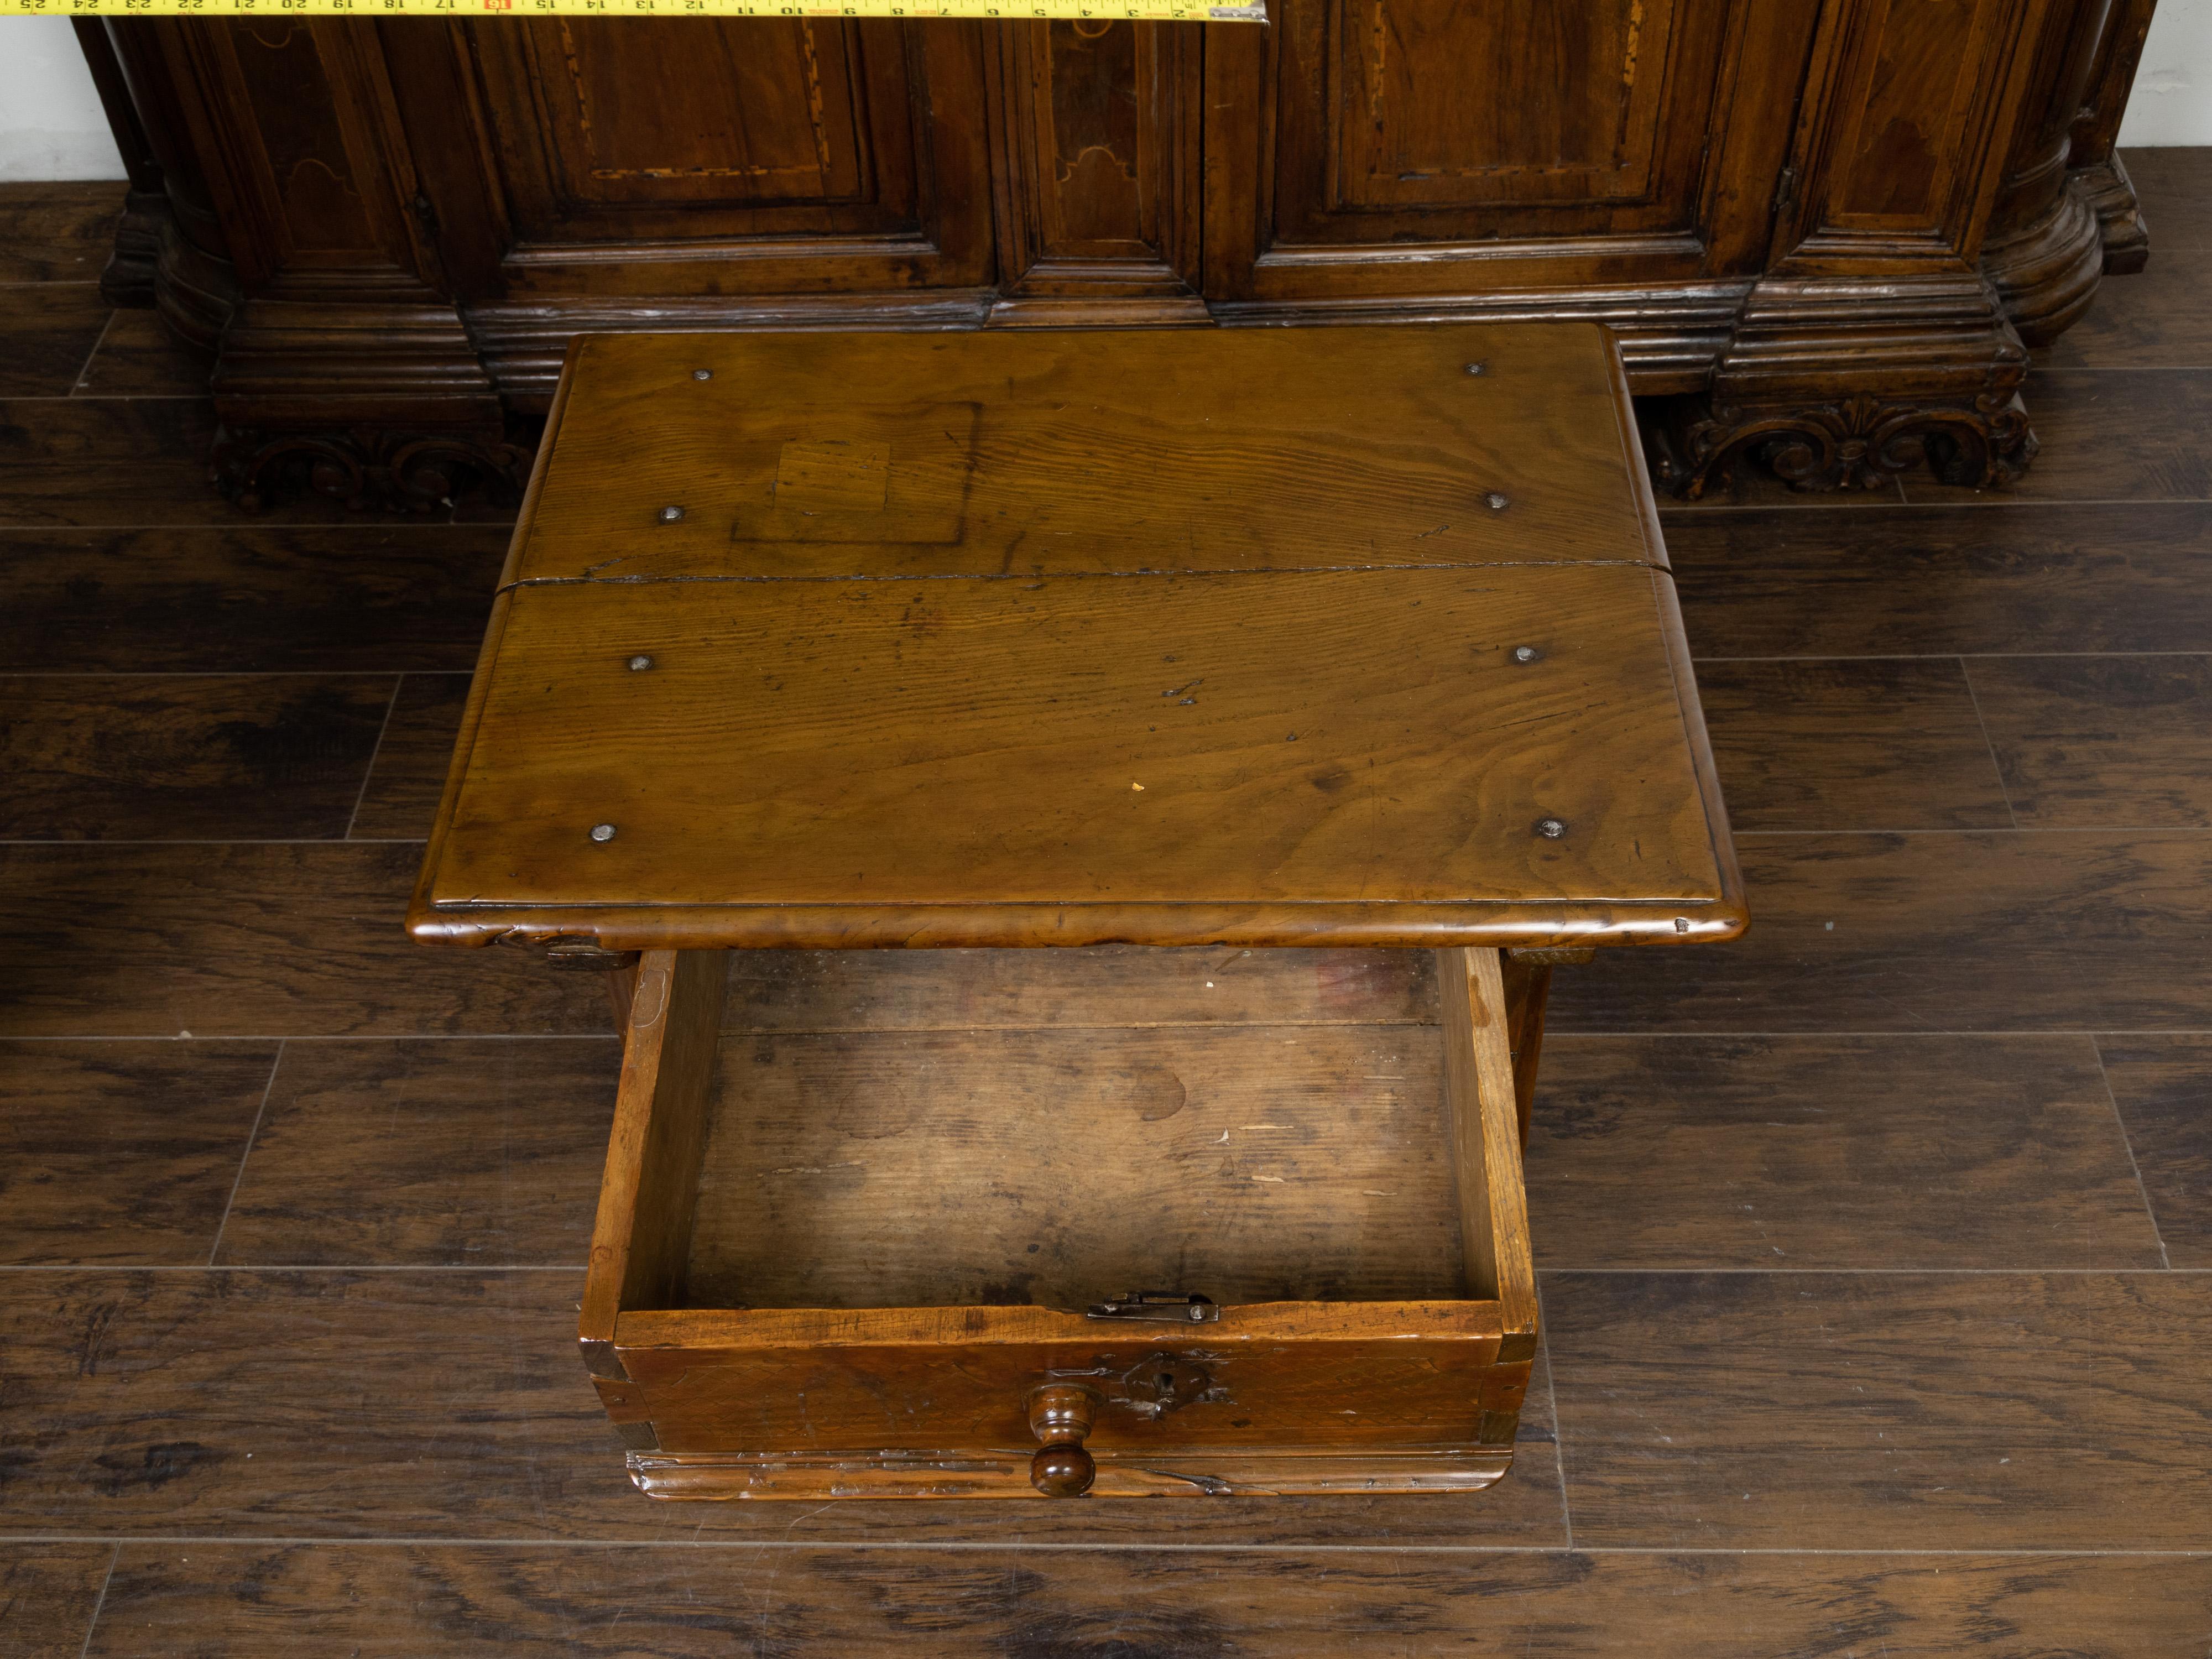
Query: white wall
(51, 125)
(2173, 100)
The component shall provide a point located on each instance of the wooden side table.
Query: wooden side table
(1262, 639)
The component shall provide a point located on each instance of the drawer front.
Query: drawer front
(1202, 1394)
(952, 1399)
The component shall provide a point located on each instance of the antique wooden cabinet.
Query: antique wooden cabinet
(1825, 228)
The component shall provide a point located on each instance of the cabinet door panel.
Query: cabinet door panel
(746, 113)
(1917, 87)
(1099, 170)
(1437, 105)
(707, 156)
(1433, 120)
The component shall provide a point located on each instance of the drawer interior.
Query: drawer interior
(1052, 1129)
(1062, 1168)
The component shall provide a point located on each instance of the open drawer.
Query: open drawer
(892, 1283)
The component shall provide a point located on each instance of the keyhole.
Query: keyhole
(1167, 1383)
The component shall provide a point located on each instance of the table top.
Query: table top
(1260, 637)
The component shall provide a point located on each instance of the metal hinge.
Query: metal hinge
(1170, 1306)
(1785, 191)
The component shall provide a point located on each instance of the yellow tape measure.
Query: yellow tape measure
(1158, 12)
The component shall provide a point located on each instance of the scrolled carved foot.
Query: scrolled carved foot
(369, 469)
(1858, 442)
(2111, 196)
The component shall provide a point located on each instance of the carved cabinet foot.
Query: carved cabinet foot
(2111, 196)
(369, 469)
(1858, 442)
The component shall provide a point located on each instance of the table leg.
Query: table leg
(620, 967)
(1528, 986)
(1479, 1092)
(1528, 975)
(621, 992)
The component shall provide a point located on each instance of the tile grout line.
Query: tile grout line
(1558, 1428)
(1717, 1034)
(239, 521)
(695, 1541)
(84, 372)
(273, 841)
(100, 1602)
(2127, 1140)
(251, 1135)
(1669, 511)
(391, 673)
(2001, 829)
(508, 1036)
(375, 749)
(1989, 743)
(1879, 656)
(304, 1268)
(1868, 1272)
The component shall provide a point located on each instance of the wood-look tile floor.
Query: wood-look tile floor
(1877, 1250)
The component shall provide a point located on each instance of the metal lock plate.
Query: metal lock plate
(1169, 1307)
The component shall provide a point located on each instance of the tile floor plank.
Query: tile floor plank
(2174, 185)
(48, 1593)
(2163, 1087)
(157, 757)
(233, 1602)
(285, 939)
(121, 461)
(2154, 319)
(1946, 580)
(138, 357)
(1680, 1152)
(1874, 1411)
(1887, 743)
(454, 1153)
(47, 331)
(2090, 742)
(332, 1405)
(1949, 931)
(446, 1403)
(239, 598)
(114, 1153)
(403, 788)
(57, 232)
(2116, 434)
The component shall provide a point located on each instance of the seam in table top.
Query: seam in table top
(1051, 904)
(590, 580)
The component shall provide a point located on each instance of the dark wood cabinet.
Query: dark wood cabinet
(722, 157)
(1826, 229)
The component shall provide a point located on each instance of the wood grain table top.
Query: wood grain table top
(1349, 635)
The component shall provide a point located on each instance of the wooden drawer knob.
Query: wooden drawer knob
(1059, 1416)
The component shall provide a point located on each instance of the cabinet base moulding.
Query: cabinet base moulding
(369, 468)
(1858, 442)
